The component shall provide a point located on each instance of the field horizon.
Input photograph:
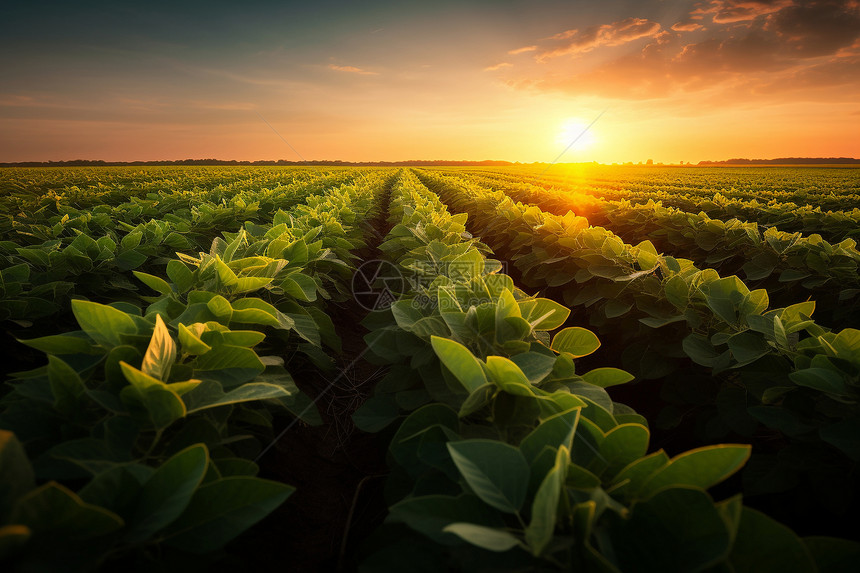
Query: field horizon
(360, 366)
(735, 162)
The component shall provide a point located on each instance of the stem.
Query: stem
(520, 519)
(343, 542)
(155, 440)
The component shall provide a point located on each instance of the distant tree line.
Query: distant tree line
(787, 161)
(410, 162)
(335, 162)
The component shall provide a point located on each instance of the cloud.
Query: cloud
(732, 11)
(352, 70)
(522, 50)
(497, 67)
(812, 29)
(781, 47)
(572, 42)
(688, 26)
(18, 100)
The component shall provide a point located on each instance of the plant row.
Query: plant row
(759, 368)
(829, 189)
(61, 251)
(790, 266)
(29, 189)
(509, 458)
(135, 443)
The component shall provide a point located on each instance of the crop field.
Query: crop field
(526, 368)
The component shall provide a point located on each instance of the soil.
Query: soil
(338, 471)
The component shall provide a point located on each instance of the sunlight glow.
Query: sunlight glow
(570, 129)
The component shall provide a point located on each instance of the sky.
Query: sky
(521, 81)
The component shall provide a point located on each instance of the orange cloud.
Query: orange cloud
(522, 50)
(497, 67)
(614, 34)
(352, 70)
(687, 27)
(787, 48)
(731, 11)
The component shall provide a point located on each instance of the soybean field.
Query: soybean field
(523, 368)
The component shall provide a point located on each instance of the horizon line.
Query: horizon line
(797, 160)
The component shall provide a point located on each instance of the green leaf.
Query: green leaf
(60, 344)
(506, 373)
(429, 514)
(623, 445)
(820, 379)
(535, 365)
(376, 413)
(220, 308)
(190, 340)
(66, 385)
(157, 284)
(847, 344)
(52, 510)
(677, 292)
(700, 350)
(181, 276)
(210, 394)
(606, 377)
(249, 284)
(540, 530)
(115, 489)
(833, 555)
(228, 364)
(497, 472)
(556, 431)
(221, 510)
(575, 341)
(506, 307)
(544, 314)
(257, 311)
(678, 529)
(301, 286)
(462, 364)
(245, 338)
(636, 474)
(477, 400)
(161, 353)
(484, 537)
(226, 276)
(104, 324)
(162, 405)
(747, 347)
(168, 492)
(701, 467)
(762, 544)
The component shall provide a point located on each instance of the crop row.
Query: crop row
(52, 254)
(511, 459)
(31, 188)
(762, 368)
(835, 223)
(827, 188)
(143, 426)
(790, 266)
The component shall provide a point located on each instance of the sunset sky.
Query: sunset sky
(674, 80)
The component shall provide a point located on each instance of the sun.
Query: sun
(575, 131)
